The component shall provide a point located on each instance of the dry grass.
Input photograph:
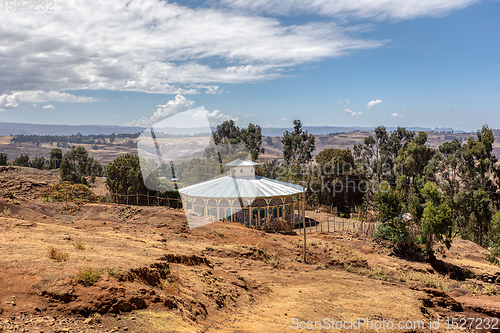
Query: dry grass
(158, 322)
(480, 289)
(6, 211)
(170, 287)
(220, 233)
(377, 273)
(273, 259)
(489, 289)
(57, 255)
(427, 279)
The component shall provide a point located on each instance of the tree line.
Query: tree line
(445, 192)
(76, 166)
(73, 138)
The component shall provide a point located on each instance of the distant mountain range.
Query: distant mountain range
(38, 129)
(322, 130)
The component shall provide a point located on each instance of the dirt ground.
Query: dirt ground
(67, 267)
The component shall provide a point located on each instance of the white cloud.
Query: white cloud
(177, 105)
(283, 119)
(49, 107)
(373, 103)
(217, 117)
(353, 113)
(53, 96)
(157, 47)
(249, 115)
(344, 102)
(396, 115)
(8, 101)
(377, 9)
(12, 99)
(214, 90)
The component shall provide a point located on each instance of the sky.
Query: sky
(427, 63)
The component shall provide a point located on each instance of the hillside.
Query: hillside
(157, 275)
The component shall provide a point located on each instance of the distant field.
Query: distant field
(107, 152)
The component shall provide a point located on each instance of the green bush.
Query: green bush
(88, 275)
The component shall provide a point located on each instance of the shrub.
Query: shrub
(489, 289)
(273, 259)
(78, 245)
(114, 271)
(277, 225)
(88, 275)
(68, 192)
(170, 287)
(6, 211)
(57, 255)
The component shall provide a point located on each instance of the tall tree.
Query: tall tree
(436, 219)
(297, 145)
(39, 163)
(3, 159)
(55, 158)
(77, 164)
(74, 165)
(228, 137)
(22, 160)
(479, 175)
(252, 137)
(227, 132)
(124, 176)
(338, 182)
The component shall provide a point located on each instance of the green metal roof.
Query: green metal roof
(244, 187)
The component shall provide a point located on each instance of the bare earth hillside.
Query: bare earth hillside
(67, 267)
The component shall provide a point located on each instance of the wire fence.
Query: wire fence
(360, 224)
(316, 221)
(140, 199)
(327, 222)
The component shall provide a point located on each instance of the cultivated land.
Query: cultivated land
(157, 275)
(107, 151)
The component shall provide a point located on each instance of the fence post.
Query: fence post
(137, 197)
(148, 197)
(127, 199)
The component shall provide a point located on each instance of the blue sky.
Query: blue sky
(421, 63)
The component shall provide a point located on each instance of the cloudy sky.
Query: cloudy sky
(328, 62)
